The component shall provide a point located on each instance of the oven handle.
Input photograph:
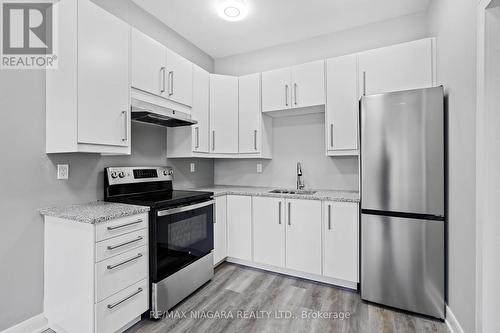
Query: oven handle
(185, 208)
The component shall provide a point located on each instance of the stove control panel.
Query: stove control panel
(126, 175)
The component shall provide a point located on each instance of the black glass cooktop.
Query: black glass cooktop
(164, 199)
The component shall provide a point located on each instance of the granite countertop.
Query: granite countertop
(330, 195)
(93, 212)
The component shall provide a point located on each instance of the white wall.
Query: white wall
(298, 138)
(367, 37)
(28, 175)
(453, 22)
(302, 138)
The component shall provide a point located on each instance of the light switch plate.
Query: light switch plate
(259, 167)
(62, 171)
(192, 167)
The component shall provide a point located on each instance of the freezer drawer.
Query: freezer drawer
(402, 152)
(402, 263)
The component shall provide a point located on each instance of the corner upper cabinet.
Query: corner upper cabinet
(223, 114)
(399, 67)
(342, 102)
(294, 87)
(88, 95)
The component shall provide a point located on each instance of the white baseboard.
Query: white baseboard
(34, 324)
(452, 322)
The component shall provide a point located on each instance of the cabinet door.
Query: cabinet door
(220, 224)
(103, 77)
(303, 235)
(239, 227)
(399, 67)
(342, 103)
(148, 64)
(179, 79)
(308, 84)
(276, 90)
(340, 249)
(200, 109)
(224, 113)
(269, 231)
(249, 113)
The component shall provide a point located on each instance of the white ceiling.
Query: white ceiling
(271, 22)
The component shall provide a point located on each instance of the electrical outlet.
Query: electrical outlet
(259, 167)
(62, 171)
(192, 167)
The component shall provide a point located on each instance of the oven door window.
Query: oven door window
(182, 238)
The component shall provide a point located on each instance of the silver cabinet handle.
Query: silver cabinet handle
(364, 83)
(295, 93)
(114, 227)
(279, 212)
(112, 305)
(112, 247)
(171, 83)
(139, 255)
(213, 140)
(163, 84)
(125, 127)
(331, 135)
(255, 140)
(329, 217)
(286, 94)
(289, 214)
(197, 132)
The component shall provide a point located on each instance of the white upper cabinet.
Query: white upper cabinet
(276, 93)
(179, 79)
(200, 110)
(103, 77)
(249, 114)
(239, 227)
(269, 231)
(223, 113)
(88, 96)
(398, 67)
(342, 104)
(340, 240)
(308, 84)
(296, 87)
(303, 235)
(149, 61)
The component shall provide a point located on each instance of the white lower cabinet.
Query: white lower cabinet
(96, 276)
(239, 227)
(340, 240)
(303, 235)
(220, 227)
(269, 231)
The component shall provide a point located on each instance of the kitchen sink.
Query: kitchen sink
(301, 192)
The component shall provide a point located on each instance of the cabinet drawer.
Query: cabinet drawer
(118, 310)
(116, 245)
(118, 272)
(120, 226)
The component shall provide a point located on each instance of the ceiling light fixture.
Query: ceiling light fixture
(232, 10)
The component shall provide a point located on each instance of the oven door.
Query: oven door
(182, 235)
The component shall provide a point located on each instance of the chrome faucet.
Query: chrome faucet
(300, 183)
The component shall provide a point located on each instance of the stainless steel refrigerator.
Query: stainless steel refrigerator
(403, 200)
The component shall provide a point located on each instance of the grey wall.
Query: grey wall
(297, 138)
(28, 175)
(453, 22)
(302, 138)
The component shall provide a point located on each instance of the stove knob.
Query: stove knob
(167, 172)
(114, 175)
(121, 174)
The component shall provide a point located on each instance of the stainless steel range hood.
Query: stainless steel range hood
(154, 114)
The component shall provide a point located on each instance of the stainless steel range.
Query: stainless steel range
(180, 231)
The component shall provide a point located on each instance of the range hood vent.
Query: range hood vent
(145, 112)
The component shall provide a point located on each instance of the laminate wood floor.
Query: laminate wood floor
(243, 292)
